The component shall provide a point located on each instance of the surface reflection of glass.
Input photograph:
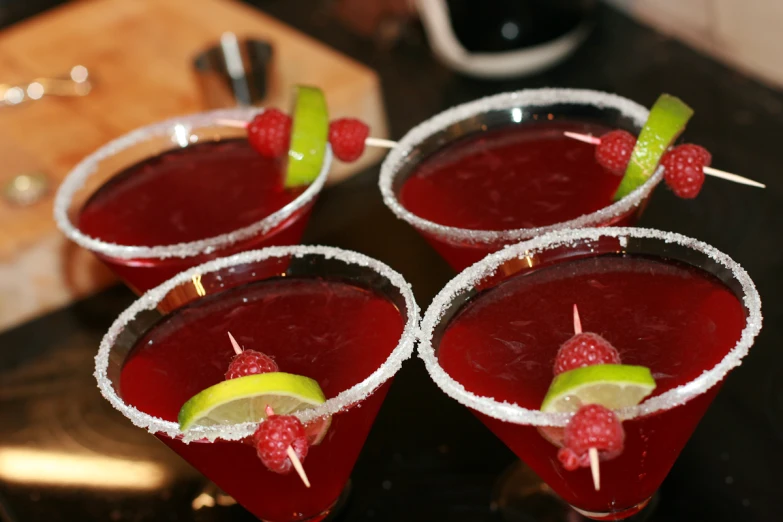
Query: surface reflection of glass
(341, 318)
(673, 304)
(59, 468)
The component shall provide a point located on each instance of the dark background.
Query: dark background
(427, 458)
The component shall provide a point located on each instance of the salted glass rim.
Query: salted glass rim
(177, 128)
(511, 412)
(343, 400)
(397, 157)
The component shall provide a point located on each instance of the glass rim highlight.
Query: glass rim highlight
(508, 100)
(171, 128)
(343, 400)
(511, 412)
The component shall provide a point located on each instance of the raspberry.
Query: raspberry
(593, 426)
(614, 151)
(250, 362)
(684, 169)
(585, 349)
(272, 439)
(347, 137)
(571, 461)
(269, 133)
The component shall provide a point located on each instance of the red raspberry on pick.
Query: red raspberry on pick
(347, 137)
(585, 349)
(614, 151)
(269, 133)
(250, 362)
(684, 169)
(593, 426)
(272, 439)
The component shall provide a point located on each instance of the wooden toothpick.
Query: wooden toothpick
(595, 466)
(297, 466)
(235, 344)
(587, 138)
(722, 174)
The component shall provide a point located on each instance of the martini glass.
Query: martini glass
(174, 194)
(676, 305)
(499, 170)
(341, 318)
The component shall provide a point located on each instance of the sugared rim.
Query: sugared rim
(511, 412)
(507, 100)
(352, 395)
(174, 128)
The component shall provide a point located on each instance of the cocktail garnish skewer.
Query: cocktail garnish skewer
(717, 173)
(297, 465)
(592, 452)
(390, 144)
(595, 468)
(235, 344)
(269, 412)
(380, 142)
(292, 455)
(372, 142)
(587, 138)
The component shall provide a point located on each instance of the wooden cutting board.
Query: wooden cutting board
(139, 56)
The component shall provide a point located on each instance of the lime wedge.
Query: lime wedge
(316, 430)
(244, 400)
(665, 123)
(614, 386)
(309, 134)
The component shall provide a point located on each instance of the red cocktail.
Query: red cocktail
(175, 194)
(492, 172)
(676, 306)
(340, 318)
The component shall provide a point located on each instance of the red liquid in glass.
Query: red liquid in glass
(520, 176)
(675, 319)
(184, 195)
(333, 332)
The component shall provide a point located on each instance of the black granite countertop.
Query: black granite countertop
(427, 457)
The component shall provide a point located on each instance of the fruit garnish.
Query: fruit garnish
(250, 362)
(614, 151)
(666, 121)
(684, 169)
(245, 399)
(273, 438)
(309, 134)
(590, 381)
(347, 137)
(709, 171)
(269, 133)
(614, 386)
(585, 349)
(594, 433)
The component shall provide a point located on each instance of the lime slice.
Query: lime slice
(665, 123)
(309, 134)
(316, 430)
(244, 400)
(614, 386)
